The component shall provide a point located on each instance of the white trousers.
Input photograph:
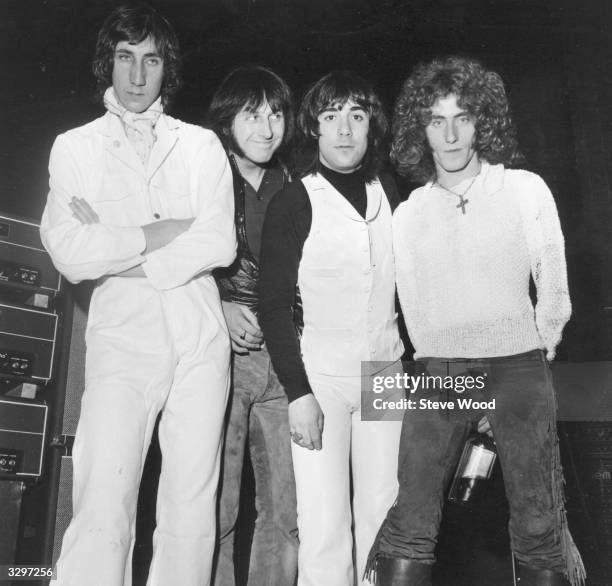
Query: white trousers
(123, 396)
(366, 449)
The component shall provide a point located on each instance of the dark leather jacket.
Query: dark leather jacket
(238, 282)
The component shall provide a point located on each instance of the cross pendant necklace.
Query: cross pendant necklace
(463, 201)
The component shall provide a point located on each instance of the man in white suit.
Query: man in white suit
(142, 203)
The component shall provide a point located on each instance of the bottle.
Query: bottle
(473, 470)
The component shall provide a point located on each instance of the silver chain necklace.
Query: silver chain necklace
(463, 201)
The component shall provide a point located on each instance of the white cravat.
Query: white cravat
(139, 126)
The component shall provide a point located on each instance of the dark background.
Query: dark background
(554, 55)
(556, 59)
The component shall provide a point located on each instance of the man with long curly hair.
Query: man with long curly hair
(330, 236)
(142, 203)
(465, 245)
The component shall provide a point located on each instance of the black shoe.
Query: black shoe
(402, 572)
(526, 576)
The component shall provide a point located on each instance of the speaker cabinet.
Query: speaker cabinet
(47, 505)
(63, 510)
(23, 259)
(60, 505)
(10, 506)
(27, 342)
(23, 428)
(75, 381)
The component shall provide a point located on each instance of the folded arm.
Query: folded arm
(157, 234)
(210, 241)
(169, 252)
(82, 250)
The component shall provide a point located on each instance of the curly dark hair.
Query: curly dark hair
(134, 23)
(478, 91)
(249, 86)
(337, 88)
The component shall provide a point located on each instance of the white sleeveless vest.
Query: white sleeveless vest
(347, 283)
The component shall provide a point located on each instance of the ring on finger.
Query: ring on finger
(243, 335)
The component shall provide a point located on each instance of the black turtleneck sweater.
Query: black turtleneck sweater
(351, 185)
(286, 227)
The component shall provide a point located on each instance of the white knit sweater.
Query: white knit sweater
(463, 279)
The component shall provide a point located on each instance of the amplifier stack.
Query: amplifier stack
(29, 285)
(35, 329)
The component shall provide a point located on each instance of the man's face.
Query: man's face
(138, 72)
(343, 136)
(258, 133)
(450, 134)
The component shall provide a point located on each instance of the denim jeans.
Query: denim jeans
(258, 415)
(524, 427)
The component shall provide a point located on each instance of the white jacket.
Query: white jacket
(188, 175)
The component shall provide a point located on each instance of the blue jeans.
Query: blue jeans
(524, 426)
(258, 415)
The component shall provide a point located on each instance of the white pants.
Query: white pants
(368, 450)
(123, 397)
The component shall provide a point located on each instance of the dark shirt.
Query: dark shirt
(255, 204)
(286, 227)
(238, 282)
